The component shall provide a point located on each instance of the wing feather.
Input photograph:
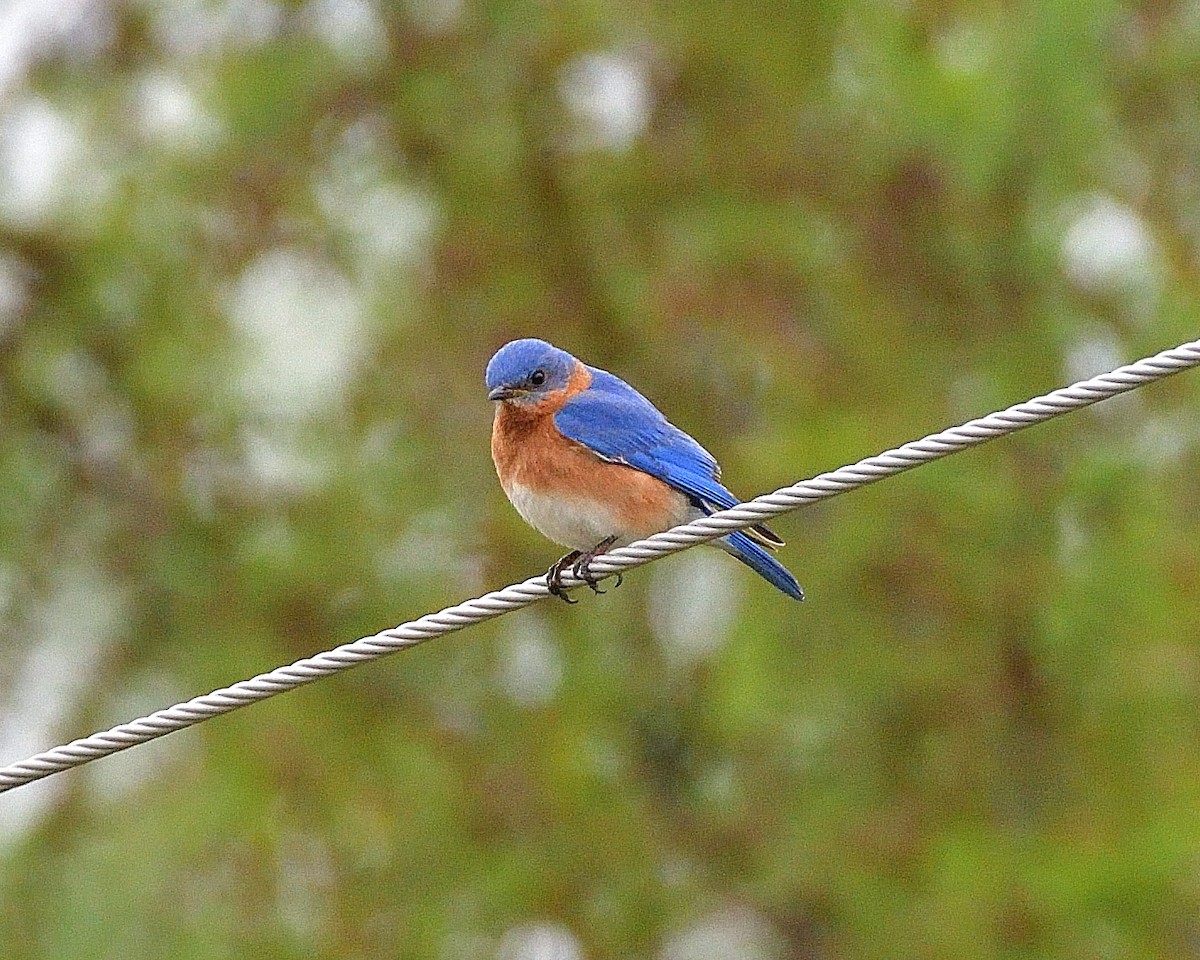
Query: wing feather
(616, 422)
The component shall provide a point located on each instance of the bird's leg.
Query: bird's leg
(554, 576)
(584, 560)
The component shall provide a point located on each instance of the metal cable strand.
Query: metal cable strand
(522, 594)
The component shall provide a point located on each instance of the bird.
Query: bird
(591, 464)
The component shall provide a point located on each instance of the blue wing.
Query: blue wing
(616, 422)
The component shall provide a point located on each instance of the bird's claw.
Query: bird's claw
(582, 565)
(554, 576)
(579, 563)
(581, 569)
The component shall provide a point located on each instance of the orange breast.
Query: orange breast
(531, 453)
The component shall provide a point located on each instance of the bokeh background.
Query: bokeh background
(253, 259)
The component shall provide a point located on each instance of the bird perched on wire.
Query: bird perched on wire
(592, 464)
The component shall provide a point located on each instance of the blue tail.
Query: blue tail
(761, 562)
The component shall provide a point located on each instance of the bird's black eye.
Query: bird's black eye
(537, 378)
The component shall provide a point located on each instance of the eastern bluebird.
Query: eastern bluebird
(592, 464)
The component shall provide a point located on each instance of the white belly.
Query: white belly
(576, 522)
(580, 522)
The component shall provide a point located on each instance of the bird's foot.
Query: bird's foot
(554, 576)
(583, 561)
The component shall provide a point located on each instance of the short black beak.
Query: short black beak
(503, 393)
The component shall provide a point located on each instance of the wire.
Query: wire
(518, 595)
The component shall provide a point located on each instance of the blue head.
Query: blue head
(526, 371)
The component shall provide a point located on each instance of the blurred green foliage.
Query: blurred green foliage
(253, 259)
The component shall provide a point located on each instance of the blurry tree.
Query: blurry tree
(253, 258)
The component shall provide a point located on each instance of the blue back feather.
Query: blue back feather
(612, 419)
(615, 421)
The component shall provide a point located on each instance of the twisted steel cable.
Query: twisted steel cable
(499, 602)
